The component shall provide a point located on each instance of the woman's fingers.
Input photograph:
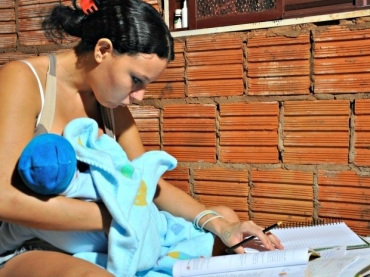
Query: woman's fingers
(247, 228)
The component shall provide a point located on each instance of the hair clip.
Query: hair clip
(88, 6)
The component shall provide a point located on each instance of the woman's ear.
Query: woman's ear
(103, 49)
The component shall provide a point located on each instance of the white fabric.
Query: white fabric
(40, 89)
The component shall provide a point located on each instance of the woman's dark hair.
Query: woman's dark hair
(133, 26)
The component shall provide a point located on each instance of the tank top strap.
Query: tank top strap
(47, 116)
(108, 121)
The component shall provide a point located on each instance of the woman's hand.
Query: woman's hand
(234, 232)
(231, 231)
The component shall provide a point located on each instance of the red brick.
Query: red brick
(189, 125)
(278, 69)
(190, 111)
(223, 65)
(231, 87)
(221, 188)
(282, 206)
(233, 56)
(8, 41)
(320, 107)
(314, 130)
(238, 204)
(276, 190)
(32, 38)
(341, 60)
(7, 4)
(288, 85)
(221, 174)
(215, 72)
(283, 52)
(36, 2)
(195, 129)
(214, 42)
(339, 33)
(362, 132)
(278, 65)
(249, 138)
(362, 107)
(342, 65)
(248, 132)
(192, 154)
(189, 138)
(330, 49)
(245, 155)
(348, 83)
(221, 181)
(251, 109)
(36, 11)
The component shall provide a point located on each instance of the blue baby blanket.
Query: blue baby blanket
(142, 240)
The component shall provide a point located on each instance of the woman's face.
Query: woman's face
(122, 78)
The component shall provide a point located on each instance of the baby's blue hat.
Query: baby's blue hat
(47, 164)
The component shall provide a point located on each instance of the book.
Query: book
(290, 262)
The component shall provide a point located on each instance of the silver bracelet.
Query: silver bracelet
(200, 216)
(209, 219)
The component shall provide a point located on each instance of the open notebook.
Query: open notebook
(319, 236)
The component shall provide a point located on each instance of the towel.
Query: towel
(142, 240)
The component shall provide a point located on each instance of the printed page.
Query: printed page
(330, 267)
(320, 236)
(291, 271)
(335, 252)
(362, 262)
(241, 262)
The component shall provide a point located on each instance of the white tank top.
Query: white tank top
(40, 89)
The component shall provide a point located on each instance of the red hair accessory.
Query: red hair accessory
(88, 6)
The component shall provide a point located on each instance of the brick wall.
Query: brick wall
(273, 123)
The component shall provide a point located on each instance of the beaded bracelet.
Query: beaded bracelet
(201, 215)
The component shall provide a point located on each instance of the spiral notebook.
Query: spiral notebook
(320, 236)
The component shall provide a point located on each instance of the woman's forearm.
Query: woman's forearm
(52, 213)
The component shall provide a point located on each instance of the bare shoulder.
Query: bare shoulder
(20, 101)
(19, 88)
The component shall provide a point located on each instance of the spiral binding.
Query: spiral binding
(318, 222)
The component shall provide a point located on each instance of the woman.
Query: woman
(124, 46)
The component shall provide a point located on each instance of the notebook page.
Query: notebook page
(319, 236)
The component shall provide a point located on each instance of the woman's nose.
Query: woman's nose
(138, 94)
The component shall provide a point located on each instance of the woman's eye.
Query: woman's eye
(136, 80)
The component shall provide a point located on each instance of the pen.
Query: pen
(230, 249)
